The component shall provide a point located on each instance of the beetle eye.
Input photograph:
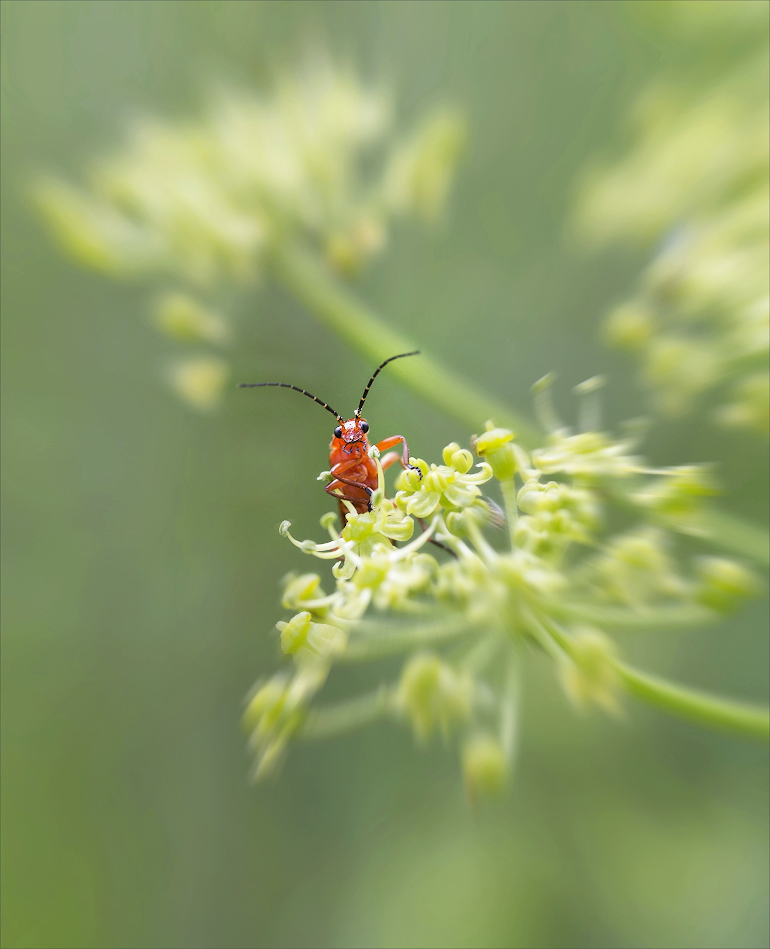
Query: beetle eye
(338, 431)
(364, 427)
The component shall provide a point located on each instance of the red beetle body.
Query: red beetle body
(354, 472)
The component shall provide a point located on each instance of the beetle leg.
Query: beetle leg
(387, 443)
(334, 490)
(353, 484)
(387, 460)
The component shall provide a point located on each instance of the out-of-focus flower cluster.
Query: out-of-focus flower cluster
(204, 203)
(695, 181)
(592, 542)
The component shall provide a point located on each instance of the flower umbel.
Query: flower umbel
(466, 616)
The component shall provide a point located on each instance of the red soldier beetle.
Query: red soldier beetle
(353, 470)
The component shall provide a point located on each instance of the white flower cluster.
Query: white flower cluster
(695, 180)
(464, 616)
(207, 202)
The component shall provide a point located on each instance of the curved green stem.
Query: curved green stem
(618, 617)
(337, 308)
(739, 718)
(747, 721)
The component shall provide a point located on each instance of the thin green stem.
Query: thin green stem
(549, 639)
(508, 488)
(388, 640)
(747, 721)
(618, 617)
(328, 721)
(337, 308)
(739, 718)
(510, 704)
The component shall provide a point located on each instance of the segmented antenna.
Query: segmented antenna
(286, 385)
(374, 376)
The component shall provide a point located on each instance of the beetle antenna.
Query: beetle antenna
(286, 385)
(374, 376)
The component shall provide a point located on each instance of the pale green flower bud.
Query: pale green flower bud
(297, 589)
(679, 369)
(630, 326)
(459, 495)
(636, 568)
(344, 570)
(493, 446)
(432, 693)
(587, 455)
(308, 641)
(459, 458)
(200, 381)
(419, 173)
(530, 534)
(437, 479)
(342, 254)
(528, 498)
(523, 570)
(372, 572)
(424, 503)
(484, 764)
(396, 528)
(457, 521)
(750, 404)
(675, 496)
(409, 479)
(266, 703)
(323, 641)
(294, 633)
(643, 550)
(723, 583)
(590, 677)
(454, 585)
(274, 713)
(94, 233)
(359, 527)
(348, 251)
(182, 317)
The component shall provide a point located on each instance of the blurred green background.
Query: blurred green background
(142, 557)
